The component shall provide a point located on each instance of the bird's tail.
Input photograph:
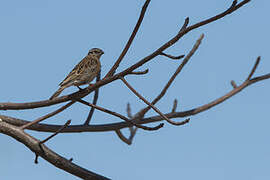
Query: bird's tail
(57, 93)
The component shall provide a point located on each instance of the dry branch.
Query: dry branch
(178, 70)
(57, 132)
(47, 115)
(121, 116)
(91, 112)
(7, 123)
(152, 106)
(172, 57)
(120, 125)
(47, 154)
(131, 38)
(108, 79)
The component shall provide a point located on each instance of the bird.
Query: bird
(83, 73)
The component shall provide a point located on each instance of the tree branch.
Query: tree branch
(178, 70)
(131, 136)
(47, 154)
(120, 125)
(172, 57)
(152, 106)
(254, 68)
(57, 132)
(140, 72)
(47, 115)
(135, 30)
(174, 105)
(94, 102)
(121, 116)
(108, 79)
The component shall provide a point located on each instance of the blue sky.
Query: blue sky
(42, 41)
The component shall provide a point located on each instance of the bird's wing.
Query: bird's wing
(76, 71)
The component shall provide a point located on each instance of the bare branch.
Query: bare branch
(129, 114)
(172, 57)
(122, 137)
(181, 33)
(254, 68)
(232, 8)
(178, 70)
(121, 116)
(120, 125)
(94, 102)
(184, 26)
(57, 132)
(131, 136)
(80, 94)
(46, 153)
(47, 115)
(140, 72)
(138, 24)
(149, 104)
(174, 105)
(234, 85)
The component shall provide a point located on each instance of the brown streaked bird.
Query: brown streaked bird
(83, 73)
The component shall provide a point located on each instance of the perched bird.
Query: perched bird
(83, 73)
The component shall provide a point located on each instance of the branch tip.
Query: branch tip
(139, 72)
(254, 68)
(234, 85)
(233, 4)
(174, 105)
(172, 57)
(129, 114)
(130, 40)
(184, 26)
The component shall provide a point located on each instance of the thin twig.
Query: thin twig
(132, 133)
(135, 30)
(94, 102)
(121, 116)
(184, 26)
(172, 57)
(254, 68)
(120, 125)
(46, 153)
(47, 115)
(149, 104)
(178, 70)
(80, 94)
(57, 132)
(174, 105)
(129, 114)
(140, 72)
(131, 136)
(234, 85)
(122, 137)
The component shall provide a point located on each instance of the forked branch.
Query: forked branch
(108, 79)
(120, 125)
(43, 151)
(131, 38)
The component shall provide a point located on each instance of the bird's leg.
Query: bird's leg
(79, 88)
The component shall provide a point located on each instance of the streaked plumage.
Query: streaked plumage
(83, 73)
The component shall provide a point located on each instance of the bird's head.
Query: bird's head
(95, 52)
